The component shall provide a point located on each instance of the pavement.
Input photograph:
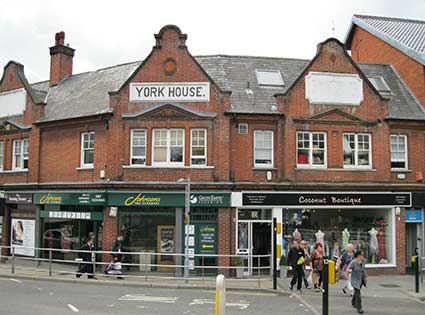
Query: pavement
(23, 297)
(384, 295)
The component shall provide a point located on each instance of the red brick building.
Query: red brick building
(394, 41)
(331, 148)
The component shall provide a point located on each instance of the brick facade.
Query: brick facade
(369, 48)
(55, 146)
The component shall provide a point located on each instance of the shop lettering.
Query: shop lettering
(184, 91)
(207, 229)
(141, 199)
(172, 91)
(209, 199)
(304, 200)
(49, 198)
(346, 200)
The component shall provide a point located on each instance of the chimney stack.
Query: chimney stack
(61, 59)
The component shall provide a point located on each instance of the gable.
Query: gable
(169, 111)
(169, 63)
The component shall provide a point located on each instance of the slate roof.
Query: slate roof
(86, 94)
(404, 34)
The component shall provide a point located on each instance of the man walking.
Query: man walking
(86, 256)
(358, 278)
(296, 258)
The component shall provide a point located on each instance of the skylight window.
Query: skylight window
(269, 78)
(380, 84)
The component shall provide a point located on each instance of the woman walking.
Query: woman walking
(342, 268)
(358, 276)
(318, 264)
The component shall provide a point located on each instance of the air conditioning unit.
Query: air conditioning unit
(243, 129)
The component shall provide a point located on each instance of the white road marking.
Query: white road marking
(15, 280)
(51, 293)
(242, 305)
(73, 308)
(147, 298)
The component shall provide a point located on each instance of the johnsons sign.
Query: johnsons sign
(170, 92)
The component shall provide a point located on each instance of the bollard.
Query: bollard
(220, 296)
(50, 262)
(13, 260)
(415, 265)
(325, 294)
(274, 254)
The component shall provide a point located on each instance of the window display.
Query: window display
(367, 229)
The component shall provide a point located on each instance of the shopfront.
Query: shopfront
(335, 219)
(67, 218)
(21, 223)
(153, 221)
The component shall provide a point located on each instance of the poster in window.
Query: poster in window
(23, 236)
(243, 236)
(166, 242)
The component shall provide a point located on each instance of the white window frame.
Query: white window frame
(82, 163)
(406, 153)
(131, 148)
(205, 145)
(1, 155)
(261, 165)
(356, 149)
(167, 163)
(22, 154)
(310, 150)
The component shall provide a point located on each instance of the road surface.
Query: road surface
(23, 297)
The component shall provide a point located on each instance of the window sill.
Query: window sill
(400, 170)
(310, 168)
(85, 168)
(335, 169)
(14, 171)
(271, 168)
(166, 167)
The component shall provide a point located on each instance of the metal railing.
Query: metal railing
(141, 266)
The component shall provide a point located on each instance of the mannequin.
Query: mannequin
(345, 238)
(373, 245)
(297, 235)
(381, 245)
(320, 238)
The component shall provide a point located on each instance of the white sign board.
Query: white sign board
(12, 102)
(333, 88)
(170, 92)
(23, 236)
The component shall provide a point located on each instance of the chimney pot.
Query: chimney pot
(59, 38)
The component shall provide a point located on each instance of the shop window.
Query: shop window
(357, 150)
(263, 148)
(198, 147)
(1, 155)
(20, 154)
(370, 230)
(138, 147)
(168, 147)
(87, 149)
(311, 149)
(203, 214)
(398, 152)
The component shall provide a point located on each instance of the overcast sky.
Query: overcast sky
(106, 33)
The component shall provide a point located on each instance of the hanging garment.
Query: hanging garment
(345, 239)
(381, 245)
(320, 238)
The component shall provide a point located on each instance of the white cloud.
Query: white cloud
(105, 33)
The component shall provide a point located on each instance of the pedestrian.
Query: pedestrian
(318, 265)
(296, 258)
(342, 268)
(86, 256)
(358, 276)
(306, 265)
(92, 236)
(117, 247)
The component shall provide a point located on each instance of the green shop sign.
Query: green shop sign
(168, 199)
(71, 198)
(76, 215)
(206, 238)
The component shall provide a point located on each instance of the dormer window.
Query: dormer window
(380, 84)
(269, 78)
